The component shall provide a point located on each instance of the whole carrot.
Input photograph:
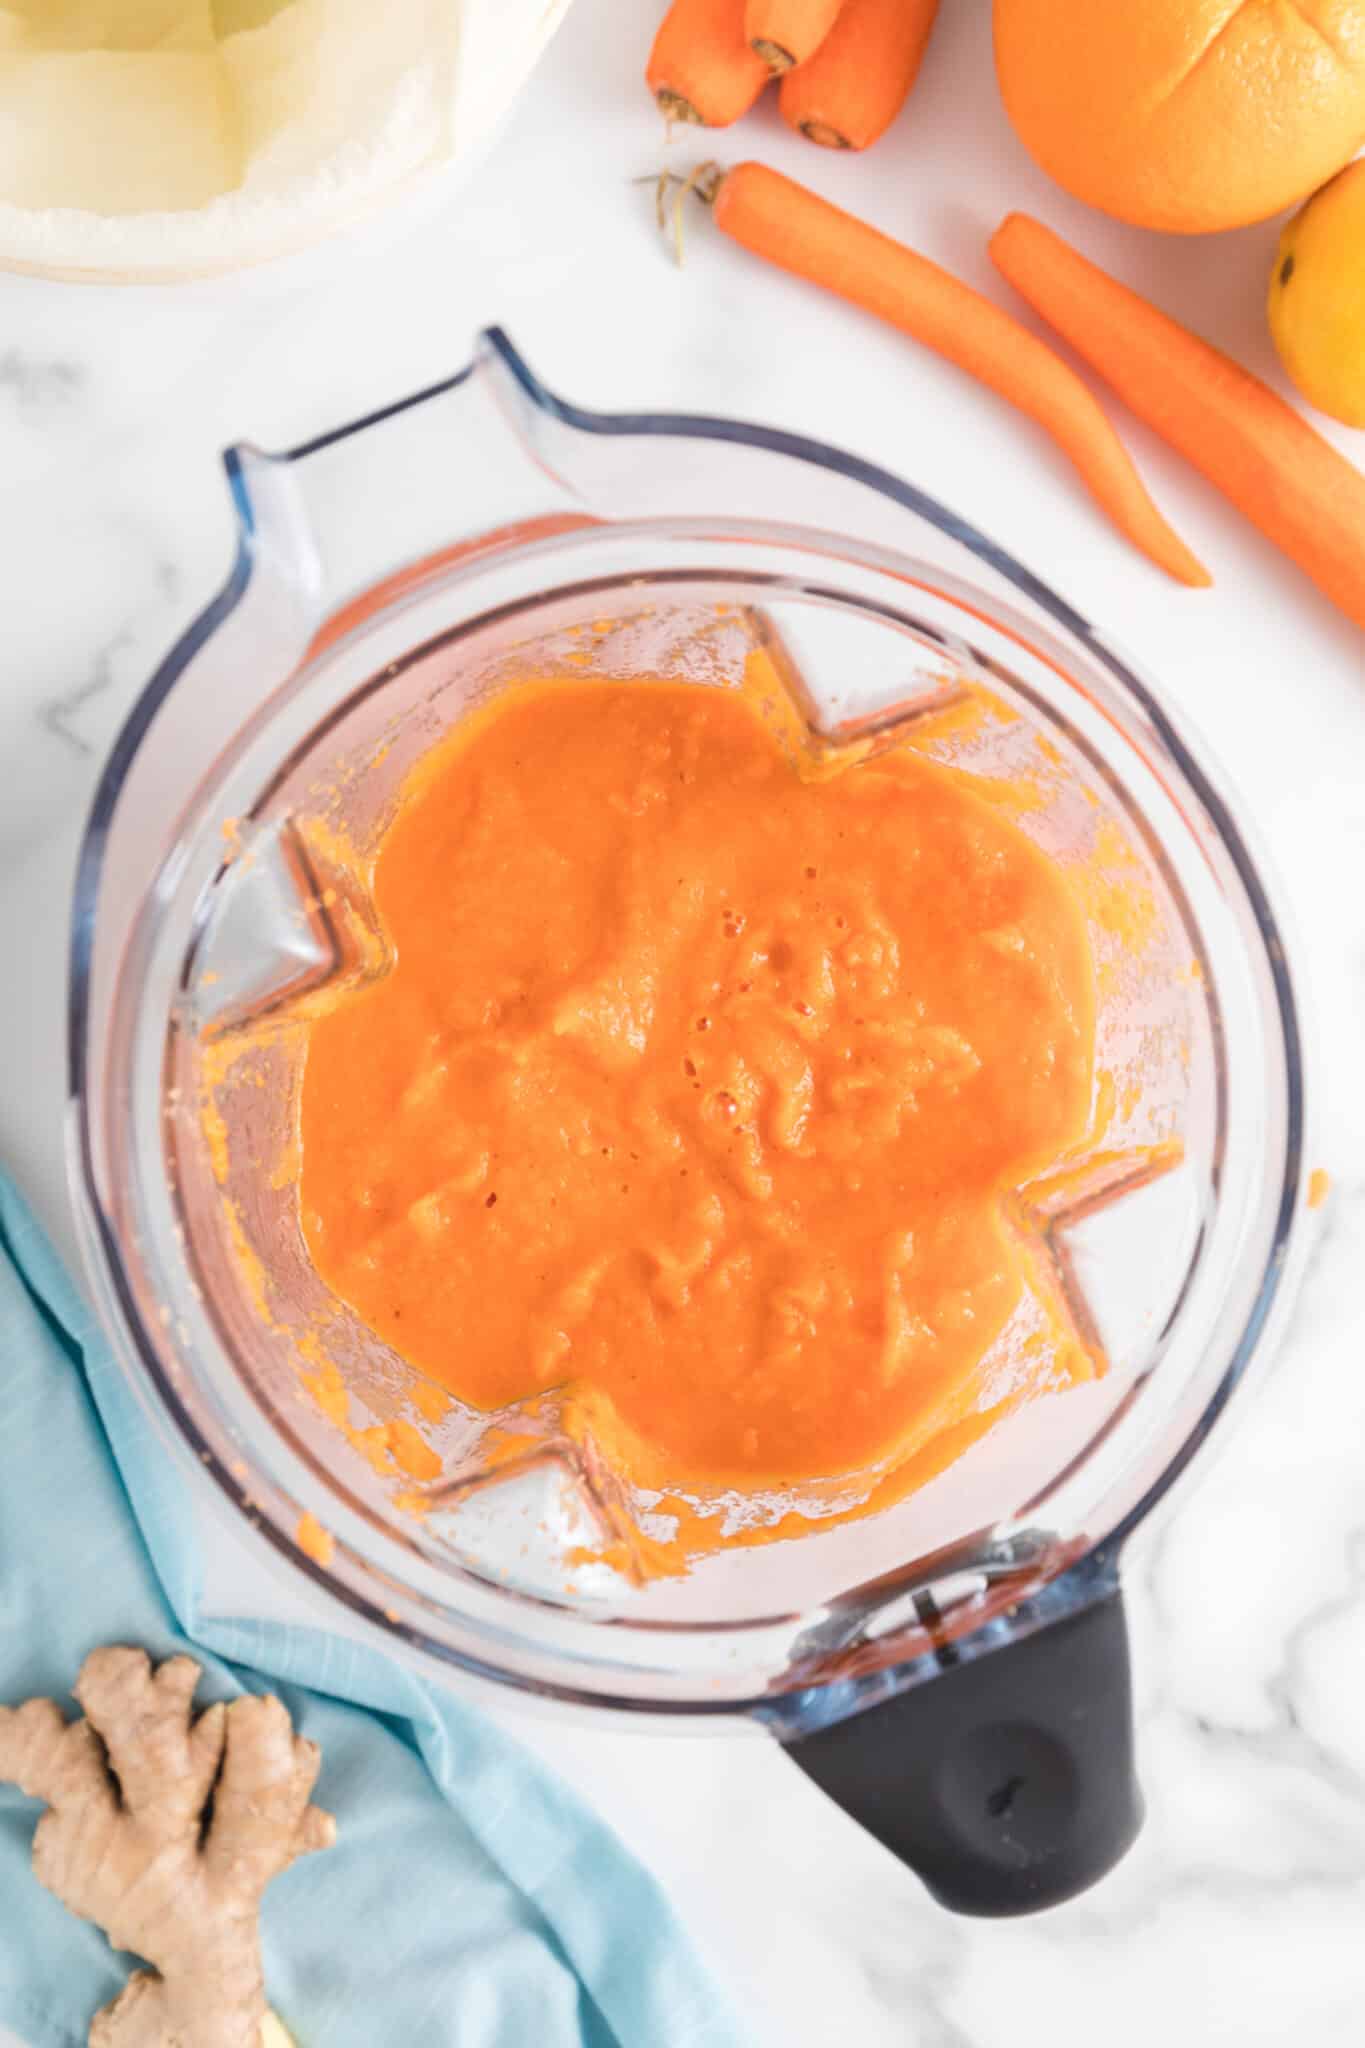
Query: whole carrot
(701, 68)
(787, 32)
(780, 220)
(852, 89)
(1262, 455)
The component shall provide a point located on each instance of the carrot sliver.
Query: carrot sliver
(788, 225)
(1260, 453)
(852, 89)
(701, 68)
(786, 32)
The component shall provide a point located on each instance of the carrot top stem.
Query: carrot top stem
(674, 107)
(785, 33)
(704, 180)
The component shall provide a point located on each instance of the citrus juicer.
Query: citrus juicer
(952, 1669)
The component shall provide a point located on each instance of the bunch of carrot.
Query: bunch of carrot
(846, 66)
(1263, 455)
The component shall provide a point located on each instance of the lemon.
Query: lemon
(1317, 297)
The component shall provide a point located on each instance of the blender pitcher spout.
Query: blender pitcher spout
(356, 516)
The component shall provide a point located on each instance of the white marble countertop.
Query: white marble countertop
(1238, 1918)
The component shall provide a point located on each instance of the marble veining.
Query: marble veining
(1237, 1921)
(62, 714)
(37, 388)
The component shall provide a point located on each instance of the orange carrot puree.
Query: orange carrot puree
(696, 1083)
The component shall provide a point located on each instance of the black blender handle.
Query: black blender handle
(1007, 1782)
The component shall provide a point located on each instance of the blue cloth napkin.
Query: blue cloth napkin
(470, 1899)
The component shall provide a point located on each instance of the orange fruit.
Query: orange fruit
(1185, 114)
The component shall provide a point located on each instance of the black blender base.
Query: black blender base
(1007, 1783)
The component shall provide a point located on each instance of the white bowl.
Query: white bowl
(385, 114)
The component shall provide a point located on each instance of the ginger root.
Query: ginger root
(165, 1831)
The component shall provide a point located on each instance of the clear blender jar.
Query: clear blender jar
(954, 1669)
